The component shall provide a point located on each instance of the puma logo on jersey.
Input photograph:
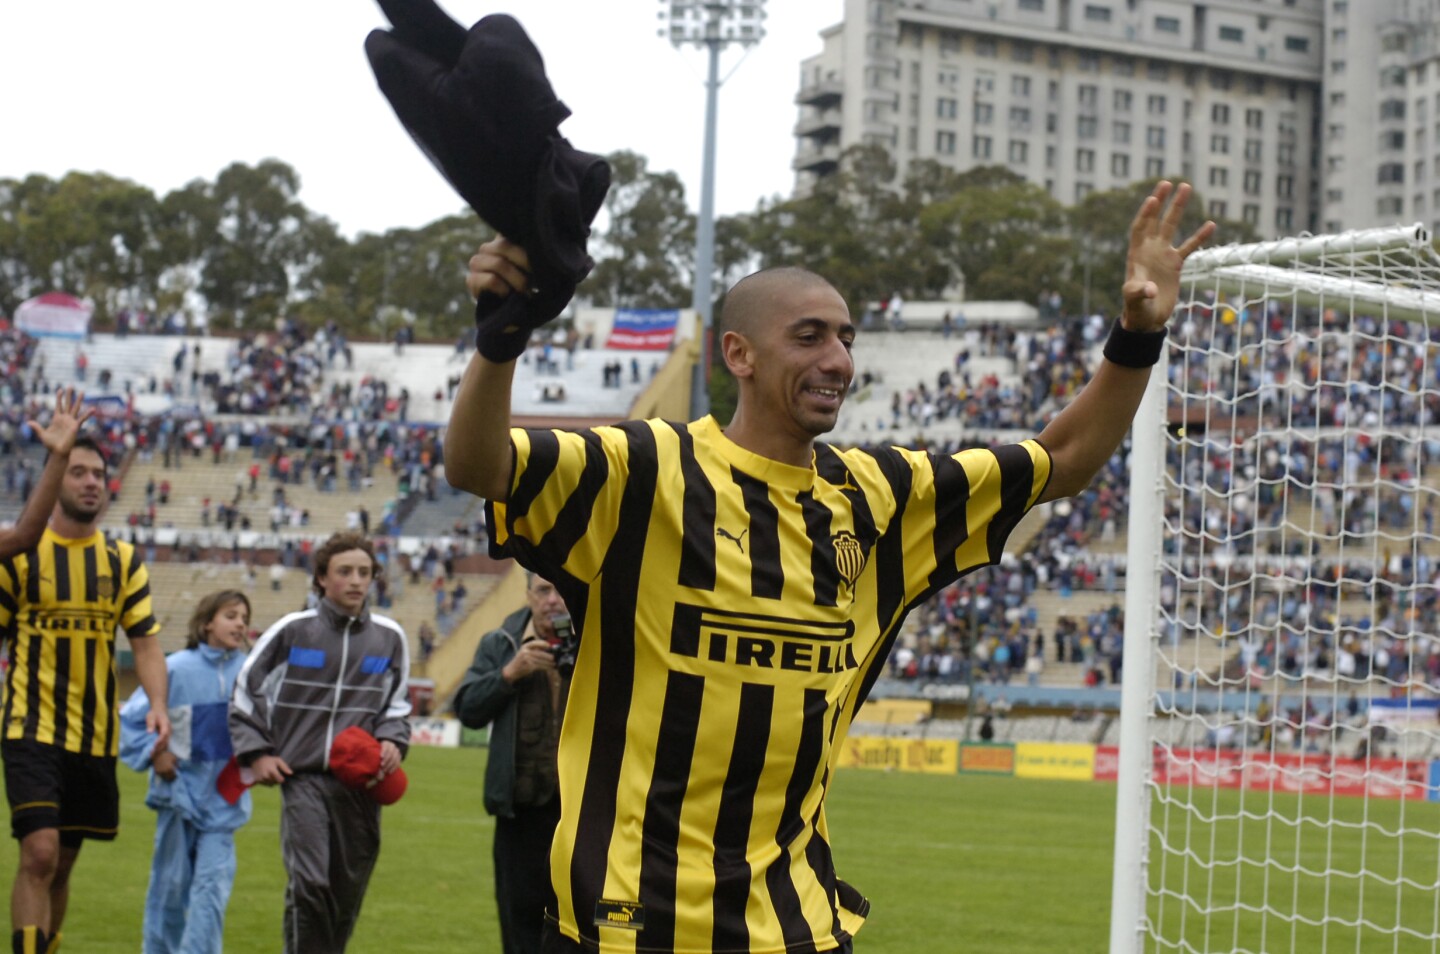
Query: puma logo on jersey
(849, 483)
(621, 914)
(738, 541)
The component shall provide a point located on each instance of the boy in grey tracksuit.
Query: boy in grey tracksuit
(309, 676)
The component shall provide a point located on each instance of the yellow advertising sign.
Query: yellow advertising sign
(1066, 760)
(936, 756)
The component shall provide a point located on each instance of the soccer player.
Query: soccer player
(310, 676)
(60, 604)
(737, 591)
(57, 437)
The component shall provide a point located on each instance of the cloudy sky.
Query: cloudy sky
(165, 91)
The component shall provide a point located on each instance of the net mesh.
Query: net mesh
(1297, 662)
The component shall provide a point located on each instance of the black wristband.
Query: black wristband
(1133, 349)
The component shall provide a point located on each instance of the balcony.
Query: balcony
(823, 125)
(824, 94)
(820, 160)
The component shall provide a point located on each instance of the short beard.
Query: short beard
(73, 511)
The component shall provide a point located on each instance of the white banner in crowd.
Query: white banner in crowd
(54, 315)
(443, 733)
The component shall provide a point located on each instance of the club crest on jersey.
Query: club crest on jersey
(849, 556)
(105, 586)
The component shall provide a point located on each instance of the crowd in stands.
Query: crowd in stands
(1304, 612)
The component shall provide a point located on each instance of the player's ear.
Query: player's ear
(739, 354)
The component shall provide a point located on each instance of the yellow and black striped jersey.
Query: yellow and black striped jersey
(60, 604)
(733, 611)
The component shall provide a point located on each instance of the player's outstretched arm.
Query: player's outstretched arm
(58, 437)
(477, 442)
(1084, 436)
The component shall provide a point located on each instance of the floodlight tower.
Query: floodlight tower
(712, 25)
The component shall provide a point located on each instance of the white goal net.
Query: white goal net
(1282, 670)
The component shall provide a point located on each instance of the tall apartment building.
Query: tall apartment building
(1288, 114)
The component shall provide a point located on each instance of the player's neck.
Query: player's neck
(69, 528)
(770, 442)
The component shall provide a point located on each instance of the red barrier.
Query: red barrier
(1310, 773)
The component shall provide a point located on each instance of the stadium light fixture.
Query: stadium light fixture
(711, 25)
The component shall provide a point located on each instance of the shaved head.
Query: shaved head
(751, 300)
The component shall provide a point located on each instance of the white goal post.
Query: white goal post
(1280, 713)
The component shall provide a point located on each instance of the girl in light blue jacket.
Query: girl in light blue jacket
(194, 864)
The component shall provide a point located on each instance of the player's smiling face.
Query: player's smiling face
(802, 363)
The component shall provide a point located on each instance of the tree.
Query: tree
(1100, 224)
(1005, 235)
(646, 255)
(256, 244)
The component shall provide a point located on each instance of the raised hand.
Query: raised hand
(1152, 266)
(70, 412)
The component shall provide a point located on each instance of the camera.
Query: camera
(566, 646)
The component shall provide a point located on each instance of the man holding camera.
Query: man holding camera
(517, 684)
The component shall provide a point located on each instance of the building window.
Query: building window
(945, 108)
(985, 82)
(1155, 104)
(949, 41)
(1252, 181)
(1089, 95)
(1157, 71)
(1388, 206)
(1232, 34)
(1217, 209)
(1022, 52)
(1220, 178)
(1154, 167)
(1088, 61)
(1392, 109)
(949, 78)
(1220, 79)
(1123, 100)
(1037, 6)
(1254, 118)
(1049, 159)
(1155, 137)
(1285, 154)
(912, 139)
(1020, 86)
(1285, 186)
(1051, 122)
(1284, 217)
(1097, 14)
(1252, 150)
(985, 46)
(1219, 114)
(984, 114)
(1086, 127)
(945, 143)
(1391, 172)
(1167, 24)
(1020, 118)
(1297, 44)
(1019, 151)
(1394, 139)
(1122, 134)
(1122, 66)
(981, 148)
(1082, 189)
(1251, 214)
(914, 109)
(1220, 144)
(1120, 165)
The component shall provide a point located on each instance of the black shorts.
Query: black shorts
(553, 942)
(49, 787)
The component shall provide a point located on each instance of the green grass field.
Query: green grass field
(968, 863)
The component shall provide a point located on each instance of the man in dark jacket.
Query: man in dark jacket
(516, 686)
